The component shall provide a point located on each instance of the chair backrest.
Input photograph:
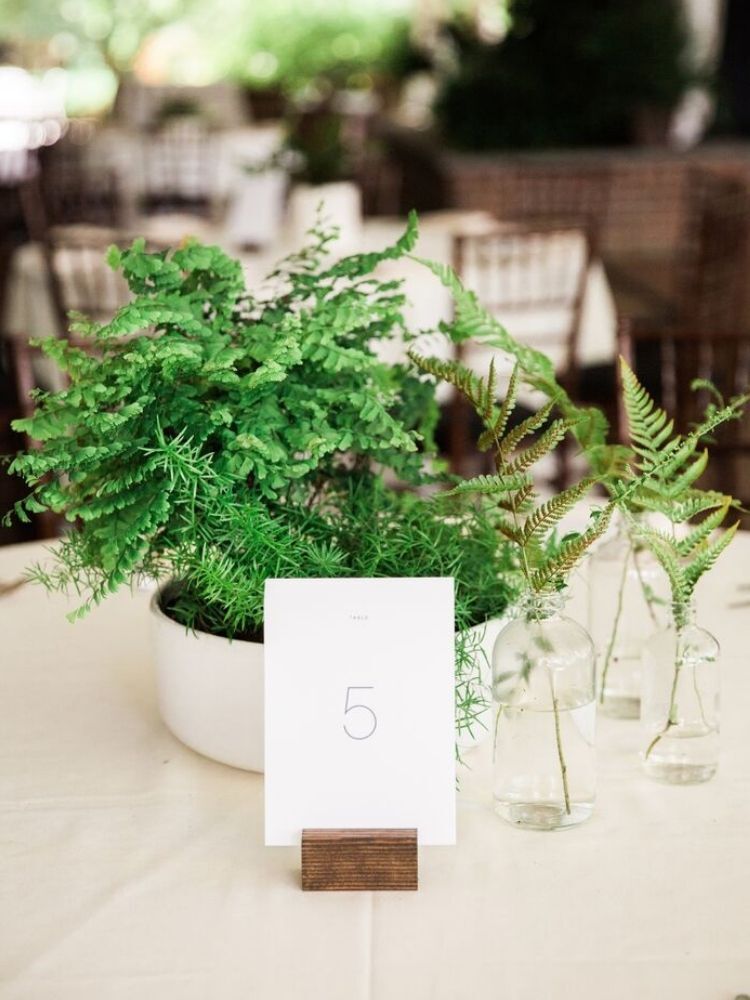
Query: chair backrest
(79, 277)
(74, 191)
(668, 362)
(533, 278)
(179, 165)
(714, 259)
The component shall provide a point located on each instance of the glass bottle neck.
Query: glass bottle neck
(683, 614)
(627, 525)
(533, 606)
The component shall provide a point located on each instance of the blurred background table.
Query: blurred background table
(131, 866)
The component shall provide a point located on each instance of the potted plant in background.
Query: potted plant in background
(323, 176)
(211, 439)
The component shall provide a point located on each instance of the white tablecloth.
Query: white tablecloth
(131, 867)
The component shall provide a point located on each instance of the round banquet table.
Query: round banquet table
(132, 867)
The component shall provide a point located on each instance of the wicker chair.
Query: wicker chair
(571, 194)
(704, 283)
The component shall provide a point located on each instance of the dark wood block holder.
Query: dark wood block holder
(359, 859)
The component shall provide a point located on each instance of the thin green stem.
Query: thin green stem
(615, 624)
(672, 711)
(699, 699)
(558, 741)
(645, 589)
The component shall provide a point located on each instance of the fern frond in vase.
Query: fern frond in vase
(670, 464)
(542, 661)
(629, 589)
(472, 321)
(687, 549)
(521, 515)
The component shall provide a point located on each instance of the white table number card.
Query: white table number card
(359, 703)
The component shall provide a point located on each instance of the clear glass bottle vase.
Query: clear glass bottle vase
(680, 702)
(628, 602)
(544, 774)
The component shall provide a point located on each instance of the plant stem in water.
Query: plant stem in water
(645, 589)
(558, 740)
(672, 713)
(615, 624)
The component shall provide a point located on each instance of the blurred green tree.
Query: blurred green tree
(570, 73)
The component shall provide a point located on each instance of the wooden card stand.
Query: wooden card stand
(359, 859)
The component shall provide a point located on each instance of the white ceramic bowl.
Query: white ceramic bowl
(210, 691)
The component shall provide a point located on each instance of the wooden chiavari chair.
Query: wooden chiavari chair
(533, 279)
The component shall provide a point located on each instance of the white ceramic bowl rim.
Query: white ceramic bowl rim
(208, 637)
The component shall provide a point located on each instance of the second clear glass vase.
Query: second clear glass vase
(544, 773)
(680, 709)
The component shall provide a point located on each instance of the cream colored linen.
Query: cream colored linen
(132, 867)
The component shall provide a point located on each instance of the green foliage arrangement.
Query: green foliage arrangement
(686, 549)
(217, 439)
(520, 516)
(272, 395)
(672, 464)
(588, 425)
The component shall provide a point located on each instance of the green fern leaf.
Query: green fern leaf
(493, 434)
(488, 485)
(554, 571)
(550, 513)
(708, 555)
(545, 444)
(699, 535)
(528, 426)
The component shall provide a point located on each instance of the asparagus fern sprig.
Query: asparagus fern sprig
(521, 516)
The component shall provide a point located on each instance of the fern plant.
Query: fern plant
(519, 515)
(273, 394)
(669, 465)
(471, 321)
(219, 438)
(686, 549)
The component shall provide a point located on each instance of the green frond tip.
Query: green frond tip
(360, 264)
(494, 430)
(473, 322)
(665, 466)
(696, 538)
(488, 486)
